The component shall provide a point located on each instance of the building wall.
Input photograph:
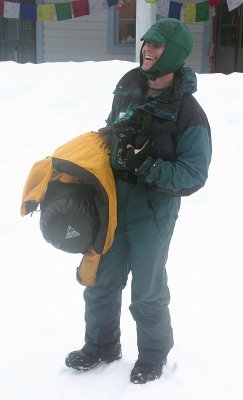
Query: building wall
(80, 39)
(199, 57)
(86, 39)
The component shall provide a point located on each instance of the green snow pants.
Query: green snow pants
(146, 221)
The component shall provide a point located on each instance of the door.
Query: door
(17, 40)
(229, 40)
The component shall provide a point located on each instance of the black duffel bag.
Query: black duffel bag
(69, 219)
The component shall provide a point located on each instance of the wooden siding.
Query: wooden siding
(80, 39)
(195, 60)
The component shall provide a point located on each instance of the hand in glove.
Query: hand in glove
(120, 141)
(162, 135)
(136, 157)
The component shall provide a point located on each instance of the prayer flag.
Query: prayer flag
(63, 11)
(80, 7)
(202, 12)
(28, 12)
(112, 2)
(175, 10)
(232, 4)
(45, 12)
(163, 8)
(189, 13)
(214, 3)
(1, 8)
(96, 6)
(11, 10)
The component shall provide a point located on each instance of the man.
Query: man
(160, 151)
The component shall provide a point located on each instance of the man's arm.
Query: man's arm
(189, 172)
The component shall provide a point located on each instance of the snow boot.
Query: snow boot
(143, 372)
(83, 361)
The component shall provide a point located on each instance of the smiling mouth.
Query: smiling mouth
(149, 58)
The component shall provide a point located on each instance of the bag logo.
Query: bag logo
(71, 233)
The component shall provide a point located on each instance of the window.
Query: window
(17, 39)
(230, 26)
(122, 28)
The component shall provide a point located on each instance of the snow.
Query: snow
(41, 305)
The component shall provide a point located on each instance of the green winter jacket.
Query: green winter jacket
(189, 172)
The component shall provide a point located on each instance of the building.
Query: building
(111, 34)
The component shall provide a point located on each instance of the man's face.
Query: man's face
(151, 52)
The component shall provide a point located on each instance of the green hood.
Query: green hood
(176, 37)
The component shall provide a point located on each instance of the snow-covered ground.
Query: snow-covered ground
(41, 305)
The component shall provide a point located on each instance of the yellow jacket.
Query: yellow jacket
(85, 159)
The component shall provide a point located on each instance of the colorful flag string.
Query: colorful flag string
(190, 12)
(53, 12)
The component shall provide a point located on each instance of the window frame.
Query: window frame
(18, 42)
(113, 47)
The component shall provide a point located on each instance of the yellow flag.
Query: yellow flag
(45, 12)
(189, 12)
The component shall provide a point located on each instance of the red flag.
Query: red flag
(1, 8)
(80, 7)
(214, 3)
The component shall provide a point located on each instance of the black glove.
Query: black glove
(106, 134)
(162, 134)
(126, 132)
(135, 121)
(122, 137)
(135, 158)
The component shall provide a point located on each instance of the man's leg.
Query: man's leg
(150, 301)
(148, 252)
(102, 310)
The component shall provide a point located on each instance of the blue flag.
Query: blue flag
(112, 2)
(28, 12)
(175, 10)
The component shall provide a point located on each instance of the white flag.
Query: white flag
(163, 8)
(96, 6)
(11, 10)
(232, 4)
